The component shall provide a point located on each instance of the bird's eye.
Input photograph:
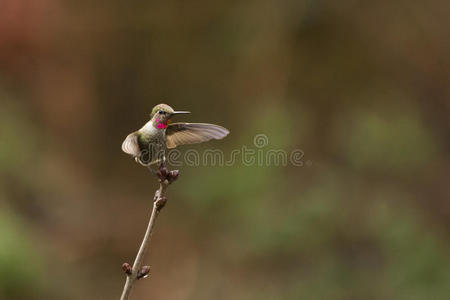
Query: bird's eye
(160, 112)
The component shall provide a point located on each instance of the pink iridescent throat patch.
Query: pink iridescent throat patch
(160, 125)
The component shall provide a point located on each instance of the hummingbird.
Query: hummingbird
(148, 144)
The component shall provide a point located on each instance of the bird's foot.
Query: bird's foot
(151, 170)
(165, 176)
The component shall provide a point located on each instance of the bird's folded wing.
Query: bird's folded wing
(130, 145)
(193, 133)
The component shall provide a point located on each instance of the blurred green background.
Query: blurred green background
(361, 87)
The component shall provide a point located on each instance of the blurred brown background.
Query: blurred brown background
(361, 87)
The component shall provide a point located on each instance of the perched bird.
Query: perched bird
(148, 144)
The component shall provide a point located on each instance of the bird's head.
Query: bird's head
(161, 115)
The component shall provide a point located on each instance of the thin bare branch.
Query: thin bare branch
(138, 271)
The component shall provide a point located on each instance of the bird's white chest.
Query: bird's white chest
(150, 132)
(148, 128)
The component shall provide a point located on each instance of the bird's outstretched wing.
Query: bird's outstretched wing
(131, 145)
(193, 133)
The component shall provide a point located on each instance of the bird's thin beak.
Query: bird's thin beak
(180, 112)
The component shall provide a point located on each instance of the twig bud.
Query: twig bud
(127, 268)
(160, 176)
(163, 170)
(161, 202)
(143, 272)
(173, 175)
